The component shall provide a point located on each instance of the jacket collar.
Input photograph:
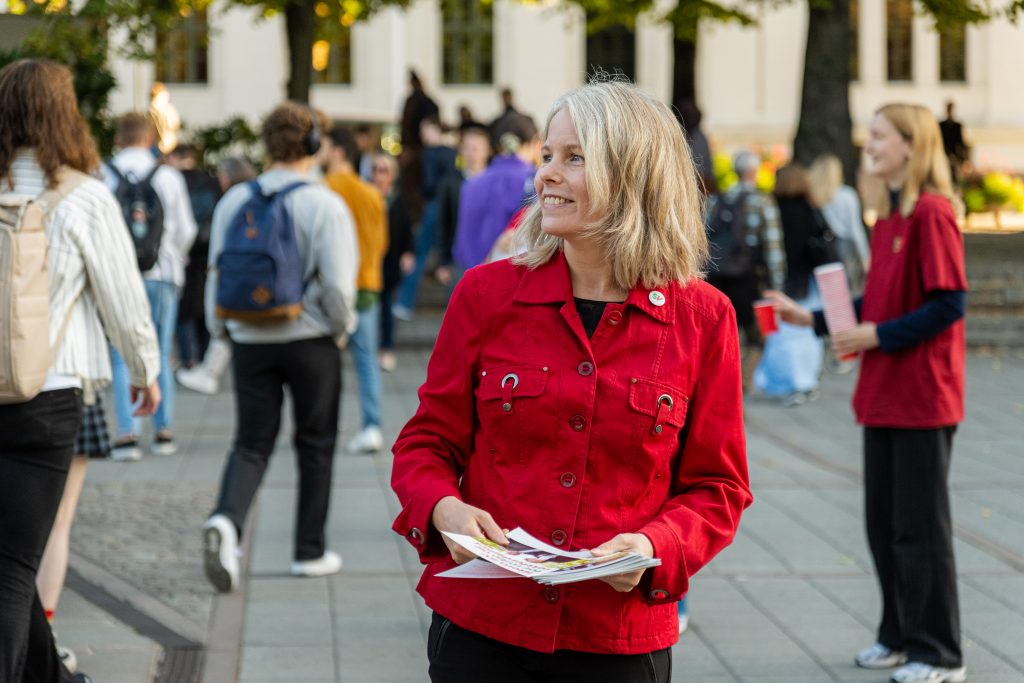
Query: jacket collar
(550, 284)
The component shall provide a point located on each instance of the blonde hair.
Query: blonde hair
(824, 177)
(928, 166)
(641, 182)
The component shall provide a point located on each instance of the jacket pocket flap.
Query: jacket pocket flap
(646, 396)
(525, 381)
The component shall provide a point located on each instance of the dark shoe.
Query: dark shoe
(80, 678)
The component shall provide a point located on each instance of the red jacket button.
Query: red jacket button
(416, 536)
(551, 594)
(614, 318)
(659, 594)
(568, 480)
(577, 422)
(585, 368)
(559, 537)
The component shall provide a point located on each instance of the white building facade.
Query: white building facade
(749, 78)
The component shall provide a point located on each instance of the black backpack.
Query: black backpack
(731, 255)
(143, 214)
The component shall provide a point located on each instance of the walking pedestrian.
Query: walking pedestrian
(400, 257)
(909, 395)
(589, 392)
(205, 377)
(134, 164)
(367, 206)
(95, 292)
(746, 252)
(300, 353)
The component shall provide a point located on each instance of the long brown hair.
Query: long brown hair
(39, 111)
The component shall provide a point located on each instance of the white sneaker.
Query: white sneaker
(67, 658)
(370, 440)
(163, 443)
(330, 563)
(198, 380)
(878, 656)
(919, 672)
(220, 553)
(126, 450)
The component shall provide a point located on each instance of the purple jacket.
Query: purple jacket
(487, 204)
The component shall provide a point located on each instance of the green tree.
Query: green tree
(825, 123)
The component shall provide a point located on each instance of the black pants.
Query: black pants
(311, 369)
(37, 441)
(910, 531)
(460, 656)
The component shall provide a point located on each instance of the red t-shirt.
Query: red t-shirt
(922, 386)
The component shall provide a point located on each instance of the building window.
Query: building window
(468, 27)
(953, 54)
(181, 53)
(612, 49)
(332, 60)
(854, 40)
(899, 39)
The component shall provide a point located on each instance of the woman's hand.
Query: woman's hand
(452, 515)
(861, 338)
(789, 310)
(634, 543)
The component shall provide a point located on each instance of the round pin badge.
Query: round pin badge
(657, 298)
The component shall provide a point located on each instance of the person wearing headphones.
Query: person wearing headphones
(300, 351)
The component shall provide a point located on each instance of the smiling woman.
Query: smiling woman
(589, 392)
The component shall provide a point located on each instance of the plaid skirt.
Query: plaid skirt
(93, 437)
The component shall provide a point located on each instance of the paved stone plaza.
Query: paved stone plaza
(789, 602)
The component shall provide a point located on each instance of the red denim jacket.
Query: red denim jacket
(638, 429)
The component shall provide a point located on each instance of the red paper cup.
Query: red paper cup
(767, 318)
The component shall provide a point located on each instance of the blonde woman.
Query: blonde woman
(589, 392)
(910, 395)
(841, 208)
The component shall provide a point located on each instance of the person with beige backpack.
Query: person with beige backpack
(68, 281)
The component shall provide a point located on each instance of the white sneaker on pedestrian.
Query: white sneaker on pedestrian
(878, 656)
(163, 443)
(919, 672)
(198, 379)
(126, 449)
(401, 312)
(220, 553)
(330, 563)
(387, 361)
(370, 440)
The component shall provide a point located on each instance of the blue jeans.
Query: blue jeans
(425, 239)
(365, 343)
(163, 306)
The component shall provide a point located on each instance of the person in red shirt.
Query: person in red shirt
(910, 395)
(587, 390)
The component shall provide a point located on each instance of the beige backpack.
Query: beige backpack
(25, 352)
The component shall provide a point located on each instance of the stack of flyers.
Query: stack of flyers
(529, 557)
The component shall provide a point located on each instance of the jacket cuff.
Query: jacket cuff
(669, 581)
(415, 525)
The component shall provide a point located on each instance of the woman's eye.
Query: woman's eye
(546, 158)
(577, 158)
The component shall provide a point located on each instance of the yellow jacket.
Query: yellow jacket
(369, 213)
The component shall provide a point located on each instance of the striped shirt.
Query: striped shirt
(95, 280)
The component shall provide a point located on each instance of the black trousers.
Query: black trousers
(910, 531)
(311, 369)
(460, 656)
(37, 441)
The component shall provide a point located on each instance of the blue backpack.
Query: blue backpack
(260, 269)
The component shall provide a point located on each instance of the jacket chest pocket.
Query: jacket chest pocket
(508, 400)
(660, 413)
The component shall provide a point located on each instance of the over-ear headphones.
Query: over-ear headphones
(311, 143)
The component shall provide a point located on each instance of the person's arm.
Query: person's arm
(710, 486)
(117, 289)
(434, 447)
(179, 221)
(942, 309)
(773, 249)
(337, 262)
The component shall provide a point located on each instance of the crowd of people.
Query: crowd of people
(587, 382)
